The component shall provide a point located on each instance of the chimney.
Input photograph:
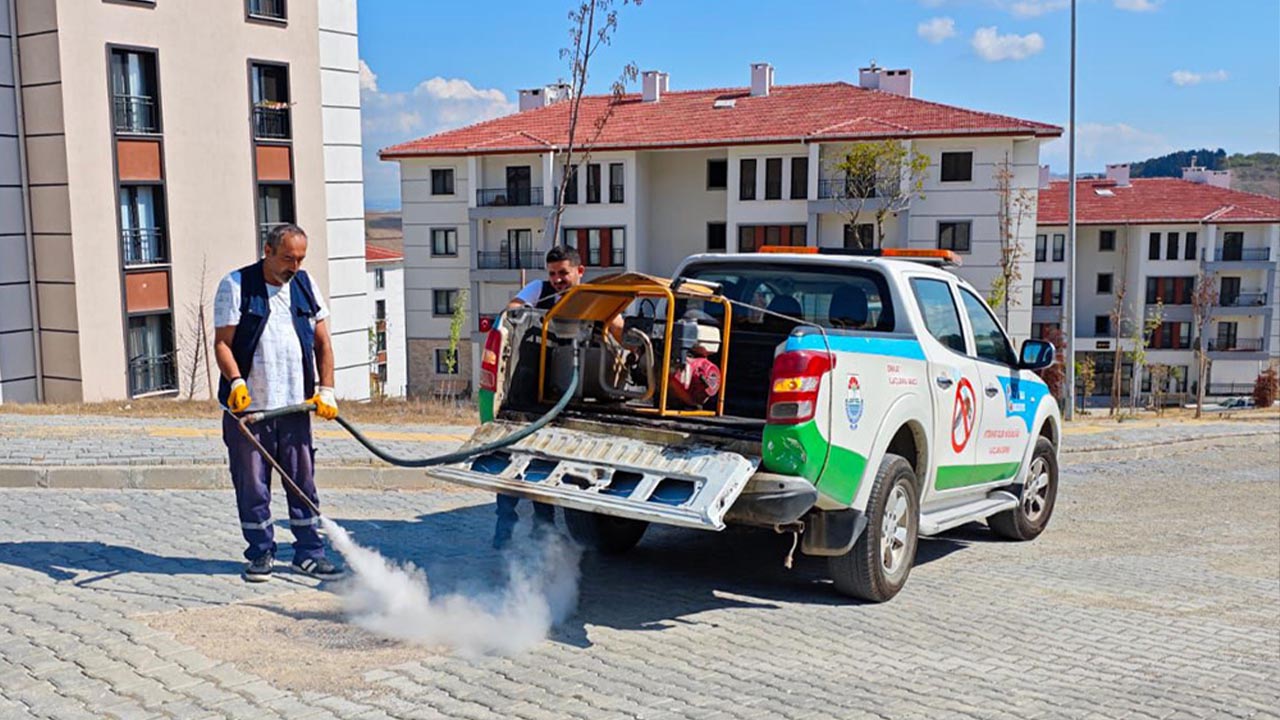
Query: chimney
(761, 79)
(875, 77)
(1045, 178)
(535, 98)
(655, 83)
(1119, 174)
(1205, 176)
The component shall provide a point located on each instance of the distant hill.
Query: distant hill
(1171, 165)
(1255, 173)
(384, 229)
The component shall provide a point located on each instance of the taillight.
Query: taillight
(794, 385)
(489, 360)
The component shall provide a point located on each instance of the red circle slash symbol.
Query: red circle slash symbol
(962, 415)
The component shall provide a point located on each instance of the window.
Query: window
(1046, 292)
(444, 302)
(151, 354)
(275, 207)
(380, 310)
(446, 362)
(1171, 246)
(1227, 334)
(1233, 245)
(747, 180)
(799, 178)
(520, 190)
(134, 92)
(957, 166)
(954, 236)
(270, 9)
(1106, 240)
(988, 339)
(1042, 248)
(1153, 246)
(270, 101)
(379, 279)
(1191, 247)
(752, 237)
(1059, 246)
(571, 187)
(1171, 336)
(939, 310)
(142, 226)
(1102, 326)
(773, 179)
(442, 181)
(380, 341)
(1042, 331)
(1169, 290)
(1104, 283)
(444, 242)
(717, 174)
(716, 237)
(599, 246)
(593, 183)
(615, 183)
(862, 235)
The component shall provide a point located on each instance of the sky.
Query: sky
(1153, 76)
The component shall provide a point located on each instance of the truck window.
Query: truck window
(989, 341)
(837, 298)
(938, 307)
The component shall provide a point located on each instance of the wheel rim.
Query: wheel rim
(1035, 490)
(894, 531)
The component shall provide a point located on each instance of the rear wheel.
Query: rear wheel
(1035, 504)
(604, 533)
(880, 561)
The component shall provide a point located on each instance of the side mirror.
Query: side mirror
(1035, 355)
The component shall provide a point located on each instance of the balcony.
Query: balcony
(135, 114)
(829, 188)
(509, 196)
(143, 246)
(271, 121)
(1243, 300)
(152, 374)
(1239, 254)
(270, 9)
(524, 260)
(1248, 345)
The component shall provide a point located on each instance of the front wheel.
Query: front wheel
(604, 533)
(877, 566)
(1035, 503)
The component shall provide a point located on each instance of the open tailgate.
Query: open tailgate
(686, 483)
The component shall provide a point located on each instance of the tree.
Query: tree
(884, 176)
(1117, 331)
(591, 26)
(1266, 387)
(1203, 299)
(1159, 374)
(196, 338)
(1086, 372)
(1015, 206)
(1055, 376)
(456, 324)
(1142, 335)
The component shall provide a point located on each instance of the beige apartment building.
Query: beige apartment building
(145, 148)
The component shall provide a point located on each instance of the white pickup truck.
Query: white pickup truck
(862, 401)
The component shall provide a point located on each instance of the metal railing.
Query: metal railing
(507, 196)
(617, 257)
(616, 193)
(271, 123)
(1243, 300)
(274, 9)
(525, 259)
(1236, 345)
(845, 188)
(142, 246)
(1230, 389)
(151, 374)
(1237, 254)
(135, 113)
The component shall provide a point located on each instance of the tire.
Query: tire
(878, 565)
(1038, 496)
(605, 534)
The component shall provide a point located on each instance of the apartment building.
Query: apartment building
(146, 146)
(674, 173)
(1151, 238)
(388, 375)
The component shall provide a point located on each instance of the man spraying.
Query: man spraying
(271, 341)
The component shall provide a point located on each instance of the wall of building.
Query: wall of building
(759, 211)
(679, 207)
(392, 293)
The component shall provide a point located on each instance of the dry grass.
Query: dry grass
(386, 411)
(1098, 416)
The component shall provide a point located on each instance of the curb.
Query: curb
(368, 477)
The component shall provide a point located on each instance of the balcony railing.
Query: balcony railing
(526, 260)
(274, 9)
(271, 123)
(616, 193)
(142, 246)
(1242, 254)
(518, 196)
(1236, 345)
(1243, 300)
(1230, 389)
(135, 113)
(845, 188)
(152, 374)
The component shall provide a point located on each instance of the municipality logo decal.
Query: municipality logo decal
(853, 402)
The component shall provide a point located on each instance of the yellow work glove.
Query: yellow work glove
(238, 401)
(326, 404)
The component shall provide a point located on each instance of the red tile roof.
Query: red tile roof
(1154, 200)
(789, 113)
(373, 254)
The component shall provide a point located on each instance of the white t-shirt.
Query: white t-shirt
(530, 294)
(276, 379)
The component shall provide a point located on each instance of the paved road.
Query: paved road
(1154, 594)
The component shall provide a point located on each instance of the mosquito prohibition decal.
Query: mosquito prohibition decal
(962, 415)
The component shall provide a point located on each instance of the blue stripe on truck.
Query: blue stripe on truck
(907, 348)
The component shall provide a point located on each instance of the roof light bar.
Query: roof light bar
(941, 258)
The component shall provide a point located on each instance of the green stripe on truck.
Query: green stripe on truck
(954, 476)
(802, 450)
(485, 401)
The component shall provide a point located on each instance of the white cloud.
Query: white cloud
(1098, 144)
(1186, 77)
(434, 105)
(937, 29)
(1036, 8)
(994, 47)
(1137, 5)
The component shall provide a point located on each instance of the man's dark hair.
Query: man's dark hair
(560, 253)
(278, 233)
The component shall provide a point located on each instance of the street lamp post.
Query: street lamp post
(1070, 360)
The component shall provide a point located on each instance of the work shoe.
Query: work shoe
(259, 570)
(318, 568)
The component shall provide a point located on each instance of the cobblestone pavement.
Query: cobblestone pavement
(1154, 594)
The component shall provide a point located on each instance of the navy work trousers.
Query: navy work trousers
(507, 516)
(288, 439)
